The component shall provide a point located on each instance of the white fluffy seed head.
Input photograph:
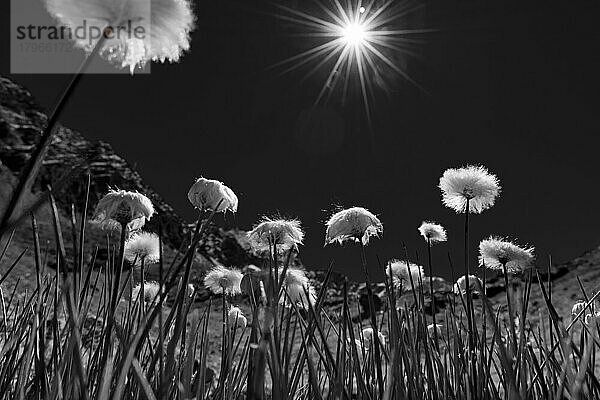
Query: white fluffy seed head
(432, 232)
(460, 287)
(353, 224)
(209, 194)
(137, 31)
(296, 285)
(285, 234)
(221, 280)
(237, 319)
(123, 207)
(472, 184)
(151, 291)
(402, 273)
(495, 253)
(143, 246)
(578, 307)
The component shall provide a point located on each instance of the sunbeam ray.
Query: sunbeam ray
(361, 40)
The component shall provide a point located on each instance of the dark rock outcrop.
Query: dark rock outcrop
(71, 158)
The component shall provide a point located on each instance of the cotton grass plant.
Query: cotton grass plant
(66, 339)
(432, 233)
(469, 190)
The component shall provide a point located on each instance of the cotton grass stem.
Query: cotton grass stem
(32, 168)
(511, 314)
(431, 293)
(373, 319)
(469, 298)
(142, 287)
(117, 270)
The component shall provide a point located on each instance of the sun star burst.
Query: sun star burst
(356, 42)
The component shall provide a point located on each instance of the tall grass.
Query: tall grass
(80, 334)
(63, 340)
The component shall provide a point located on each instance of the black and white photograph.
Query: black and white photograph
(299, 200)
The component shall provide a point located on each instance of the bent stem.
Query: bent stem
(32, 168)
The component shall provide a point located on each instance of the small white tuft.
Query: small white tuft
(296, 285)
(221, 280)
(402, 273)
(578, 307)
(367, 335)
(353, 224)
(208, 194)
(123, 207)
(236, 318)
(143, 246)
(460, 287)
(432, 232)
(151, 291)
(285, 234)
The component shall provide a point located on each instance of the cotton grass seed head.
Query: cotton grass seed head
(151, 291)
(578, 307)
(236, 318)
(136, 31)
(124, 207)
(402, 273)
(285, 234)
(460, 287)
(210, 194)
(432, 232)
(221, 280)
(143, 246)
(353, 224)
(296, 286)
(472, 184)
(495, 252)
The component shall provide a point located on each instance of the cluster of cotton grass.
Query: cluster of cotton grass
(468, 190)
(280, 335)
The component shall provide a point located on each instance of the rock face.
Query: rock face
(71, 158)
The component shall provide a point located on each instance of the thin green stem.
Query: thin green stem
(432, 293)
(373, 320)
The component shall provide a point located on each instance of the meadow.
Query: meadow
(98, 332)
(77, 327)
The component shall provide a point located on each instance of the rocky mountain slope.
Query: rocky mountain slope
(71, 158)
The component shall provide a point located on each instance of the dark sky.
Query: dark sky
(510, 84)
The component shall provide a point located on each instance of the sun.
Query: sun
(357, 42)
(354, 34)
